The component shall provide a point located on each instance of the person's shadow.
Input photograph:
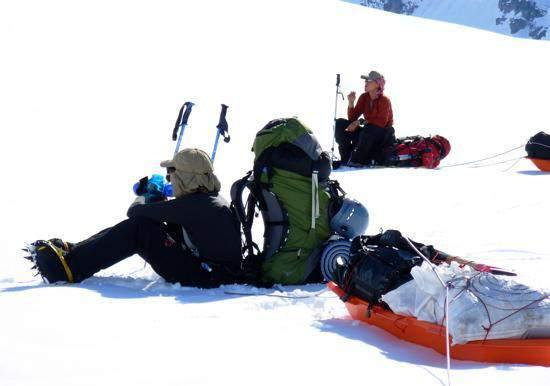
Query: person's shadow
(114, 287)
(391, 347)
(398, 350)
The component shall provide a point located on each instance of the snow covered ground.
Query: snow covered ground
(89, 94)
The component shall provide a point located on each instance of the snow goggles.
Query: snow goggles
(169, 170)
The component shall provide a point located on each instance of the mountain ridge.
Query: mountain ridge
(518, 18)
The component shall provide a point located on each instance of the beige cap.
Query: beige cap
(193, 161)
(193, 172)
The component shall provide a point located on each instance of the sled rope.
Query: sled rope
(483, 159)
(538, 143)
(497, 163)
(514, 164)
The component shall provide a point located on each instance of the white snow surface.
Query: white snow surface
(89, 94)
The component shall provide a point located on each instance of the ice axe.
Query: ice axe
(223, 130)
(478, 267)
(395, 238)
(446, 258)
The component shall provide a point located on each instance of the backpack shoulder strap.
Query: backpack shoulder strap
(337, 195)
(242, 212)
(276, 224)
(275, 219)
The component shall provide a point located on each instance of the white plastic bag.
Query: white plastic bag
(481, 305)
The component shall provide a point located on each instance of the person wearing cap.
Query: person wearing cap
(193, 239)
(360, 145)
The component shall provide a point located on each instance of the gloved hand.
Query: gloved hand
(140, 200)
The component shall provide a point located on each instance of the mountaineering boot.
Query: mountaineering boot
(49, 258)
(356, 158)
(64, 245)
(337, 164)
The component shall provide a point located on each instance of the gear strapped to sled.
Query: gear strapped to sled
(417, 151)
(538, 146)
(289, 185)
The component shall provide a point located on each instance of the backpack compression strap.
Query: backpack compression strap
(315, 211)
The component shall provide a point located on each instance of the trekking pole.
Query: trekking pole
(181, 123)
(338, 92)
(223, 130)
(155, 186)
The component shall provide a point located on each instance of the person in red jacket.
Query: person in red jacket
(361, 141)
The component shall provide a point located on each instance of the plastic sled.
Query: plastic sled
(519, 351)
(542, 164)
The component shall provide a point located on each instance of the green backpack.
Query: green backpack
(289, 185)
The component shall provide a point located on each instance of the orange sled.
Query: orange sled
(542, 164)
(527, 351)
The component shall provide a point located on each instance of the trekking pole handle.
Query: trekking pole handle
(187, 113)
(177, 124)
(338, 92)
(182, 118)
(223, 127)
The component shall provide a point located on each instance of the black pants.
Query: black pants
(364, 144)
(150, 240)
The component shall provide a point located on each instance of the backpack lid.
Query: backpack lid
(286, 130)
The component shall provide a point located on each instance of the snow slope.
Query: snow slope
(89, 95)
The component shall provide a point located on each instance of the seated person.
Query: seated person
(193, 239)
(360, 145)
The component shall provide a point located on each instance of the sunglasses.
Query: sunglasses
(170, 170)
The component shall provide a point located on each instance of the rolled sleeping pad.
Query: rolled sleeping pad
(335, 253)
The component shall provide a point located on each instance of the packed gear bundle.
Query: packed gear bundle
(538, 146)
(416, 151)
(377, 265)
(403, 287)
(380, 263)
(290, 186)
(538, 150)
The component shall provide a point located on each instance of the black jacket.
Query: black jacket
(211, 225)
